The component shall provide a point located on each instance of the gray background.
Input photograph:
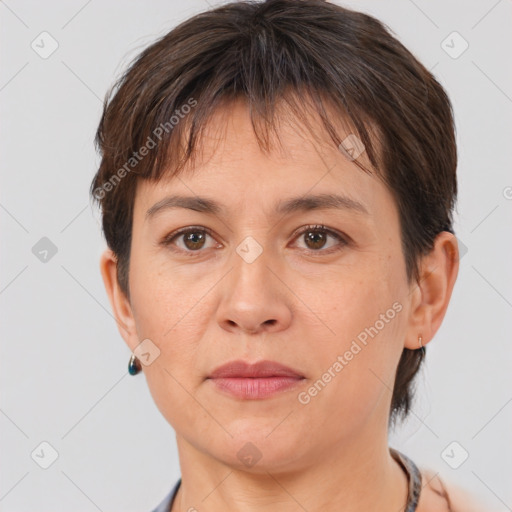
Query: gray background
(63, 366)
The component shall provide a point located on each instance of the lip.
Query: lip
(261, 369)
(254, 381)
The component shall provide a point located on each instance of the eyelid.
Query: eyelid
(317, 227)
(186, 229)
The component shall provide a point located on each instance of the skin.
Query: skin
(297, 303)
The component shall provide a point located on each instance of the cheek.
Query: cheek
(174, 306)
(352, 299)
(165, 298)
(365, 306)
(353, 384)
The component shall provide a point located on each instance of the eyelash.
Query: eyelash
(168, 240)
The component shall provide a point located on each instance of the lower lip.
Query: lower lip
(255, 388)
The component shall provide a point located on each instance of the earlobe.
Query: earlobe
(121, 307)
(432, 293)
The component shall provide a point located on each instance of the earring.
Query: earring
(134, 366)
(420, 340)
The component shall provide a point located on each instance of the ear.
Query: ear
(118, 301)
(431, 295)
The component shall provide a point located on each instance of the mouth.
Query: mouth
(254, 381)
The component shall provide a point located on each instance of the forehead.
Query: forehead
(232, 167)
(289, 134)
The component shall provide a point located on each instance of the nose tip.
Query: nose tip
(254, 300)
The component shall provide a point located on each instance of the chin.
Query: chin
(257, 447)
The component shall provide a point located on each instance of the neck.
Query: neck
(359, 475)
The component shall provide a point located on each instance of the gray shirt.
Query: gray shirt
(166, 504)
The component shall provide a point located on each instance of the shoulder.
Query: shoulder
(438, 495)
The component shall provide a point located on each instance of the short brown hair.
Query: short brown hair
(289, 50)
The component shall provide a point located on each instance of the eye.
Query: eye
(316, 238)
(192, 239)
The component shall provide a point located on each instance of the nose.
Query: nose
(254, 297)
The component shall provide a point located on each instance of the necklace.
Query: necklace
(413, 476)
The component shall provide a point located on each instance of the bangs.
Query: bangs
(320, 118)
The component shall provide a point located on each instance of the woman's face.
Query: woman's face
(252, 282)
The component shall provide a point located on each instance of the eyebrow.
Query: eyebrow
(294, 204)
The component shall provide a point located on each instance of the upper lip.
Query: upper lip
(260, 369)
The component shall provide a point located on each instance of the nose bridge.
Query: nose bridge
(253, 298)
(251, 277)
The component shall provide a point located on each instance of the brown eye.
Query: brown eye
(317, 237)
(188, 241)
(193, 240)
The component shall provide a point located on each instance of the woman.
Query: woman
(277, 184)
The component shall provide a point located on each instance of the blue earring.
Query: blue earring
(134, 366)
